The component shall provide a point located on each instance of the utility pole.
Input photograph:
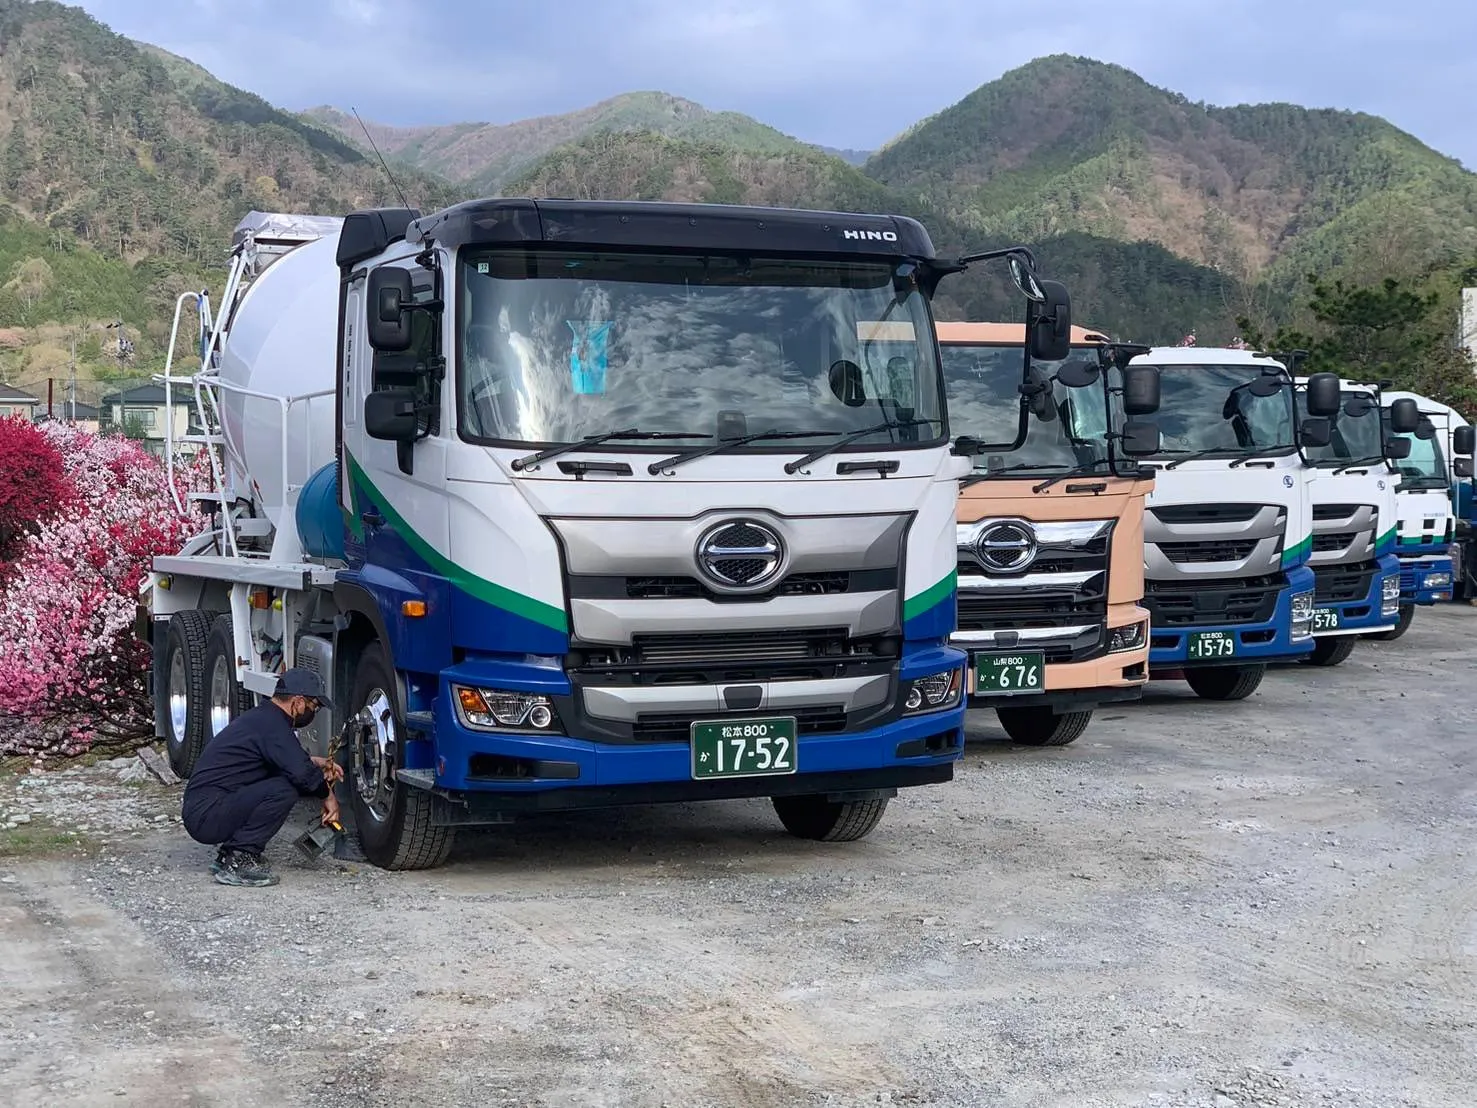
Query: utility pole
(71, 408)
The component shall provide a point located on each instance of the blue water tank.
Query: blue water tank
(320, 522)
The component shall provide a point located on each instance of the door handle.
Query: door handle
(372, 519)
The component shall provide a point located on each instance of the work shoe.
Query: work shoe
(220, 860)
(246, 870)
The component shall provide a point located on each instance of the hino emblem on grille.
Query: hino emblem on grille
(1008, 546)
(740, 554)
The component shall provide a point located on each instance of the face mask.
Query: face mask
(304, 717)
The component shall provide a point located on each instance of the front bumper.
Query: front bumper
(1376, 608)
(1109, 678)
(1269, 640)
(455, 758)
(1425, 578)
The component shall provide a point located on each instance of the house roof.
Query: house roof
(9, 395)
(145, 395)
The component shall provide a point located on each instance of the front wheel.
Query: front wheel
(393, 819)
(1402, 625)
(1041, 726)
(184, 691)
(1225, 682)
(1330, 652)
(828, 821)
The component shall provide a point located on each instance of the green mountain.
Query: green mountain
(486, 156)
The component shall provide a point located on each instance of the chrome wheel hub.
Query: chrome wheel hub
(374, 748)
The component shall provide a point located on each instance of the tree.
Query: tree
(30, 280)
(1386, 331)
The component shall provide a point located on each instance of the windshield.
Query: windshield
(1230, 409)
(557, 345)
(983, 383)
(1356, 433)
(1425, 465)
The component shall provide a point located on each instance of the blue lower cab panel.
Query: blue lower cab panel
(1426, 579)
(1355, 594)
(1266, 640)
(917, 749)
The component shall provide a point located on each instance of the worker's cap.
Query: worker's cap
(303, 682)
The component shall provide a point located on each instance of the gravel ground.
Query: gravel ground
(1268, 903)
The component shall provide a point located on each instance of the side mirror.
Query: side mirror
(1049, 323)
(390, 414)
(1462, 467)
(1078, 374)
(389, 294)
(1140, 438)
(1405, 416)
(1397, 448)
(1323, 395)
(1462, 439)
(1316, 431)
(967, 446)
(1140, 390)
(1024, 278)
(847, 384)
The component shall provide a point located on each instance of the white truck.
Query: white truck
(1436, 465)
(577, 504)
(1228, 526)
(1357, 576)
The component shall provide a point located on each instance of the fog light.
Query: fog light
(1129, 637)
(1390, 588)
(503, 709)
(934, 692)
(1302, 616)
(1437, 580)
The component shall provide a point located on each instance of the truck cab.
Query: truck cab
(1356, 572)
(1050, 532)
(1228, 525)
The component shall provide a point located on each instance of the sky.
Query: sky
(843, 73)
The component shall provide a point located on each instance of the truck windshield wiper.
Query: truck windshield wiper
(1356, 463)
(728, 444)
(530, 460)
(1075, 471)
(1190, 457)
(1259, 452)
(975, 478)
(851, 437)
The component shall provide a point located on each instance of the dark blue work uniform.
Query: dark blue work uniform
(247, 780)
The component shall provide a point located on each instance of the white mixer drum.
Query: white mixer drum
(282, 343)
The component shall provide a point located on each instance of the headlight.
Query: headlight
(934, 692)
(1302, 616)
(1390, 589)
(504, 710)
(1437, 580)
(1128, 637)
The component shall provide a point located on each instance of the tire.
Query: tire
(224, 699)
(1331, 652)
(393, 820)
(828, 821)
(1041, 727)
(1225, 682)
(1402, 625)
(184, 690)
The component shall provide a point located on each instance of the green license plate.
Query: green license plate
(1204, 645)
(743, 747)
(1005, 674)
(1325, 619)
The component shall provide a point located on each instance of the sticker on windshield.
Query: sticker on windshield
(589, 355)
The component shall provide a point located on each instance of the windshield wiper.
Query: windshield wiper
(1358, 462)
(531, 460)
(728, 444)
(1075, 471)
(975, 478)
(851, 437)
(1259, 452)
(1194, 454)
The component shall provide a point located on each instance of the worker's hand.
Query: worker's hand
(333, 773)
(330, 809)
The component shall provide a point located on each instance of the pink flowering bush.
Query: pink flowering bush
(71, 670)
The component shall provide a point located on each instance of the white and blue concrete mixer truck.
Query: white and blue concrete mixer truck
(580, 504)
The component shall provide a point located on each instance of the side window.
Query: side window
(418, 368)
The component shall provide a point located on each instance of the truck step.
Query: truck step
(252, 528)
(204, 440)
(417, 778)
(421, 722)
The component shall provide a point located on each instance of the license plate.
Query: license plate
(1211, 644)
(1325, 619)
(1004, 674)
(743, 747)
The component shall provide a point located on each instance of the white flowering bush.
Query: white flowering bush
(71, 670)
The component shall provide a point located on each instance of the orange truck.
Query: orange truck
(1050, 526)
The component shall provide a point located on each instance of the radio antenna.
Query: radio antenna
(404, 203)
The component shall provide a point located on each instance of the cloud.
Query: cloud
(842, 72)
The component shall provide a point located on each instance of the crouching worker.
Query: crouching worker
(249, 777)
